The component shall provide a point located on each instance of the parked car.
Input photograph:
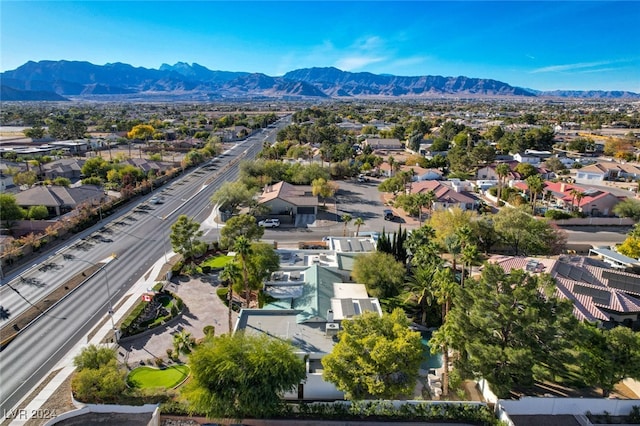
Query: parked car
(388, 214)
(269, 223)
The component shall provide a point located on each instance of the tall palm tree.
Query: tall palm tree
(445, 284)
(579, 196)
(358, 223)
(574, 194)
(502, 170)
(346, 218)
(453, 246)
(242, 247)
(421, 200)
(536, 185)
(230, 275)
(469, 255)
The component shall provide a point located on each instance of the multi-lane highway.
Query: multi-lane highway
(138, 237)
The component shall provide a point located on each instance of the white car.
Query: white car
(269, 223)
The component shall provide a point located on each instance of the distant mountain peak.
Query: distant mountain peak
(52, 79)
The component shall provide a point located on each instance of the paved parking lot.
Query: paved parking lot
(365, 201)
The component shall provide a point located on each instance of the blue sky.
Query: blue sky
(542, 45)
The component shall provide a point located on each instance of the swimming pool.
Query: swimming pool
(430, 361)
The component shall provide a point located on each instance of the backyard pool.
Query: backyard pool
(430, 362)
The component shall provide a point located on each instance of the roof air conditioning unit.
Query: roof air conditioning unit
(332, 329)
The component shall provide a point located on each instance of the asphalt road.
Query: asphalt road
(138, 237)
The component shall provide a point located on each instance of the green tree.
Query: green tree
(375, 357)
(62, 181)
(232, 195)
(380, 272)
(242, 247)
(184, 236)
(320, 187)
(242, 224)
(35, 132)
(526, 170)
(28, 178)
(37, 213)
(507, 328)
(99, 386)
(242, 376)
(95, 166)
(93, 357)
(261, 262)
(10, 209)
(607, 357)
(524, 234)
(628, 207)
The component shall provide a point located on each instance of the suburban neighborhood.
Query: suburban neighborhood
(357, 261)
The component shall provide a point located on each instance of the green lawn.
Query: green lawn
(217, 262)
(147, 377)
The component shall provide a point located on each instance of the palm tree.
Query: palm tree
(574, 194)
(230, 275)
(453, 246)
(358, 223)
(579, 196)
(465, 239)
(242, 247)
(421, 289)
(421, 200)
(536, 185)
(183, 342)
(469, 255)
(444, 283)
(502, 170)
(346, 218)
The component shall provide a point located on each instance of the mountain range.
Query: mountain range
(64, 80)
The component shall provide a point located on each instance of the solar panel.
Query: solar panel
(366, 305)
(563, 269)
(602, 297)
(622, 282)
(347, 308)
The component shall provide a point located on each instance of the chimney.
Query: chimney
(329, 315)
(563, 186)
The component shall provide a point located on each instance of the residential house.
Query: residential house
(598, 294)
(308, 313)
(419, 173)
(59, 199)
(6, 182)
(533, 157)
(283, 198)
(489, 172)
(591, 202)
(391, 144)
(607, 171)
(70, 168)
(158, 167)
(448, 194)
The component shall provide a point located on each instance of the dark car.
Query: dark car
(388, 214)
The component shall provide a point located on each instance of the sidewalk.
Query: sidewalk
(66, 364)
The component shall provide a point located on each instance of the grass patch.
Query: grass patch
(147, 377)
(217, 262)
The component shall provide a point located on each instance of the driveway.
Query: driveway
(203, 307)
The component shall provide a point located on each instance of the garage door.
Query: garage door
(306, 210)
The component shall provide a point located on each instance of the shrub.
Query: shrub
(556, 215)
